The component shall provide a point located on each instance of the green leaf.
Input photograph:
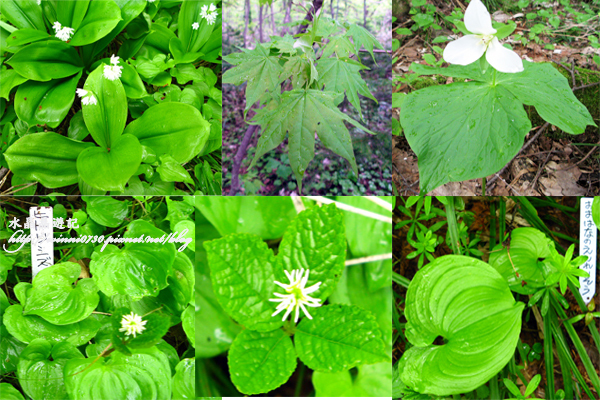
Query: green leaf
(105, 120)
(188, 323)
(77, 129)
(100, 19)
(110, 169)
(260, 362)
(343, 75)
(176, 129)
(190, 234)
(258, 68)
(301, 113)
(43, 61)
(242, 272)
(266, 217)
(314, 241)
(10, 350)
(184, 380)
(510, 385)
(24, 14)
(46, 102)
(41, 366)
(372, 381)
(107, 211)
(179, 54)
(70, 12)
(363, 38)
(145, 375)
(193, 39)
(171, 171)
(9, 392)
(180, 287)
(9, 79)
(48, 158)
(54, 298)
(480, 324)
(137, 270)
(27, 328)
(340, 45)
(596, 211)
(338, 338)
(527, 247)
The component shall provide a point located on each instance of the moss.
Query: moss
(423, 82)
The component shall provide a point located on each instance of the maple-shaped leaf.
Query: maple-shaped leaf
(363, 38)
(340, 45)
(258, 67)
(343, 75)
(298, 70)
(302, 113)
(285, 43)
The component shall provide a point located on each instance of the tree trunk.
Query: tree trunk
(314, 8)
(246, 22)
(260, 23)
(286, 18)
(331, 8)
(366, 12)
(273, 21)
(337, 9)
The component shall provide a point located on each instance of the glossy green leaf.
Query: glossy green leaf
(54, 297)
(107, 211)
(9, 392)
(301, 113)
(41, 366)
(243, 274)
(189, 228)
(258, 68)
(527, 247)
(137, 270)
(179, 54)
(46, 60)
(372, 381)
(176, 129)
(343, 75)
(180, 290)
(596, 211)
(132, 83)
(10, 350)
(71, 12)
(188, 323)
(46, 102)
(27, 328)
(171, 171)
(77, 128)
(193, 39)
(468, 304)
(184, 380)
(48, 158)
(9, 79)
(106, 119)
(105, 169)
(260, 362)
(100, 19)
(266, 217)
(24, 14)
(338, 338)
(363, 38)
(145, 375)
(314, 241)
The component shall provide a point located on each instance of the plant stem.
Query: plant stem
(483, 182)
(400, 280)
(494, 390)
(549, 355)
(452, 226)
(299, 381)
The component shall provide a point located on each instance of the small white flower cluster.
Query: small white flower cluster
(64, 33)
(39, 2)
(113, 71)
(298, 296)
(209, 13)
(87, 98)
(132, 324)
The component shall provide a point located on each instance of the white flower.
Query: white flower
(209, 13)
(151, 1)
(470, 48)
(112, 72)
(298, 296)
(132, 324)
(87, 98)
(39, 2)
(212, 7)
(114, 60)
(195, 25)
(57, 26)
(81, 92)
(65, 33)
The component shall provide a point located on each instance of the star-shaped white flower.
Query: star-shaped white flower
(63, 33)
(114, 60)
(209, 13)
(87, 98)
(57, 26)
(470, 48)
(298, 295)
(132, 324)
(195, 25)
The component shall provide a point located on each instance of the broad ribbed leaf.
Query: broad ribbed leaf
(40, 370)
(71, 12)
(176, 129)
(23, 14)
(469, 304)
(314, 241)
(54, 297)
(145, 375)
(242, 272)
(302, 113)
(188, 323)
(343, 75)
(100, 19)
(363, 38)
(184, 380)
(338, 338)
(10, 350)
(193, 39)
(596, 211)
(340, 45)
(136, 270)
(258, 68)
(371, 381)
(9, 79)
(9, 392)
(43, 61)
(27, 328)
(46, 102)
(527, 247)
(260, 362)
(107, 211)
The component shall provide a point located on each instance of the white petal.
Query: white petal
(81, 92)
(465, 50)
(503, 59)
(477, 18)
(305, 311)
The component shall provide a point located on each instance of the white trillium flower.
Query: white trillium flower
(298, 295)
(87, 98)
(132, 324)
(470, 48)
(195, 25)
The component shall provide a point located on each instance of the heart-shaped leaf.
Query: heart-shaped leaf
(106, 119)
(48, 158)
(176, 129)
(107, 211)
(46, 60)
(110, 169)
(468, 304)
(54, 298)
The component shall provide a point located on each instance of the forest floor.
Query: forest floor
(553, 164)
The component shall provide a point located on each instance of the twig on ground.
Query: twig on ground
(364, 260)
(540, 169)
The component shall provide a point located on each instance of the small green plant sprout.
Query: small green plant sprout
(425, 245)
(533, 384)
(531, 353)
(429, 212)
(568, 269)
(589, 316)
